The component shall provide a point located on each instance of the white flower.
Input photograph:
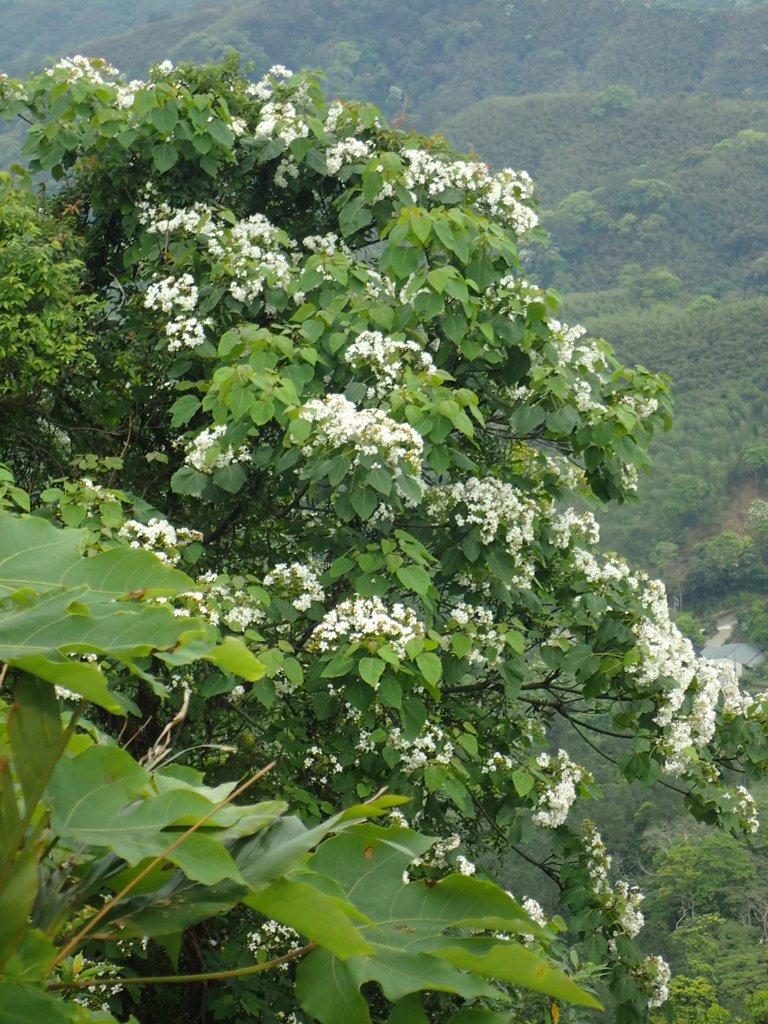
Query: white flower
(360, 619)
(296, 581)
(198, 451)
(339, 424)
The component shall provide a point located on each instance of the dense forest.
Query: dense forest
(645, 129)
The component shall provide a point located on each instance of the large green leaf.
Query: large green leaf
(416, 935)
(104, 798)
(261, 859)
(36, 555)
(22, 1005)
(36, 736)
(17, 895)
(55, 602)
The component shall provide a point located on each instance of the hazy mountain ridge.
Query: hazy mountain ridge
(473, 50)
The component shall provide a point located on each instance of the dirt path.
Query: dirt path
(725, 625)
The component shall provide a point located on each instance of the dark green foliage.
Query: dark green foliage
(43, 319)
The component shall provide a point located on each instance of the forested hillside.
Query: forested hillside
(645, 128)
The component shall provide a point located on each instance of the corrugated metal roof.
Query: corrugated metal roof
(744, 654)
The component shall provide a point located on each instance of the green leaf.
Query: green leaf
(430, 666)
(183, 409)
(164, 118)
(517, 966)
(164, 156)
(522, 781)
(412, 953)
(23, 1005)
(364, 502)
(232, 655)
(189, 481)
(101, 798)
(18, 889)
(408, 1011)
(230, 478)
(322, 918)
(370, 670)
(414, 578)
(36, 736)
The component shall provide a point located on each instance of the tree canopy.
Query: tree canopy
(317, 379)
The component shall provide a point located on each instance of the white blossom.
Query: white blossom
(360, 619)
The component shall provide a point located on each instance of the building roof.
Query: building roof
(743, 654)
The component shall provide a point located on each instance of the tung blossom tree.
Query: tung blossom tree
(318, 380)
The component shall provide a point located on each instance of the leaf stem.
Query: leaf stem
(181, 979)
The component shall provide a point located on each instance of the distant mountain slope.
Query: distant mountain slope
(442, 57)
(680, 183)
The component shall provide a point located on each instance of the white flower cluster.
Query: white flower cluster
(571, 522)
(629, 477)
(92, 69)
(622, 901)
(298, 582)
(161, 219)
(251, 252)
(466, 867)
(159, 537)
(492, 505)
(386, 357)
(171, 294)
(322, 764)
(347, 151)
(534, 910)
(744, 806)
(657, 975)
(557, 792)
(265, 86)
(500, 195)
(335, 110)
(367, 619)
(431, 747)
(513, 295)
(325, 245)
(126, 94)
(481, 622)
(338, 424)
(279, 119)
(440, 851)
(277, 939)
(641, 407)
(688, 709)
(204, 453)
(178, 296)
(564, 339)
(608, 571)
(498, 762)
(234, 605)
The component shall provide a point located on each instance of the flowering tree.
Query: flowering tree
(317, 356)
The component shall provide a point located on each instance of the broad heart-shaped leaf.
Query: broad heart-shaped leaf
(54, 602)
(416, 932)
(103, 798)
(262, 859)
(38, 556)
